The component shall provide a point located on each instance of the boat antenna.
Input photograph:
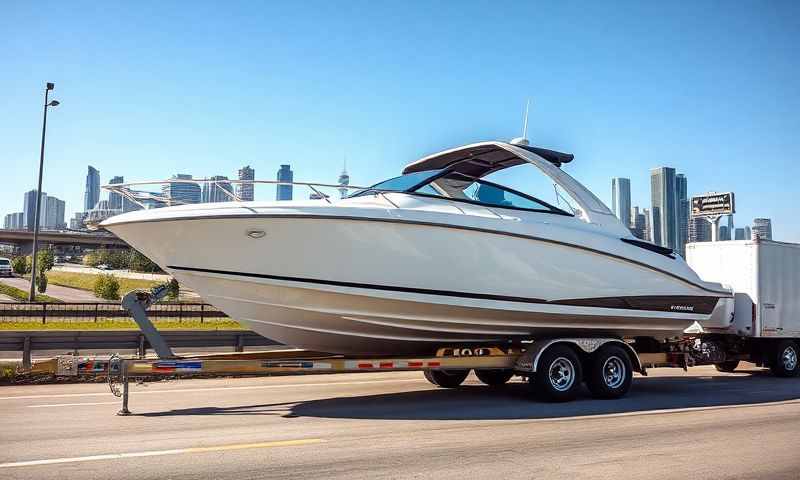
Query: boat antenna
(523, 140)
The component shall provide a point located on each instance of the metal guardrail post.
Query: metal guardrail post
(44, 313)
(96, 308)
(142, 349)
(26, 353)
(202, 309)
(239, 343)
(125, 389)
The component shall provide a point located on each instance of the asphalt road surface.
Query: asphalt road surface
(64, 293)
(673, 425)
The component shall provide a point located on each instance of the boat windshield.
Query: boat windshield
(403, 183)
(461, 187)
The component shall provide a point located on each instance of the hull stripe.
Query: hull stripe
(686, 304)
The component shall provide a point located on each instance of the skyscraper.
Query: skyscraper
(739, 234)
(180, 193)
(648, 227)
(724, 233)
(29, 208)
(51, 215)
(762, 227)
(284, 192)
(344, 181)
(748, 235)
(92, 193)
(664, 204)
(699, 230)
(215, 192)
(638, 224)
(115, 199)
(621, 199)
(682, 203)
(245, 191)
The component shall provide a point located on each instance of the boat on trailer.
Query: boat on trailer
(438, 256)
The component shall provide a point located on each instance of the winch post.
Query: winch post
(137, 302)
(125, 388)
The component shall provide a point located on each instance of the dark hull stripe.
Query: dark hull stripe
(661, 303)
(441, 225)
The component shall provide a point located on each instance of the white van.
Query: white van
(5, 268)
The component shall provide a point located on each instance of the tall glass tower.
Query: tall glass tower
(344, 181)
(92, 193)
(664, 205)
(181, 193)
(763, 228)
(245, 191)
(284, 192)
(682, 203)
(621, 199)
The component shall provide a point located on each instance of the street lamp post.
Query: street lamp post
(47, 103)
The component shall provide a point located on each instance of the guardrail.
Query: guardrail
(98, 311)
(111, 340)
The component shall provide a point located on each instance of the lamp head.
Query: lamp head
(50, 85)
(54, 103)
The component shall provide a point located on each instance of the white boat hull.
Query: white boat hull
(372, 284)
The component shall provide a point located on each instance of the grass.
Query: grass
(118, 324)
(21, 295)
(85, 281)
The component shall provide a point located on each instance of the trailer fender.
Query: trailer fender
(528, 361)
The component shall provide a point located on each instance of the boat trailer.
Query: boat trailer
(512, 360)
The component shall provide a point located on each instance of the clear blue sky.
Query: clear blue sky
(149, 89)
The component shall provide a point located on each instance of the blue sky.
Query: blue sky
(149, 89)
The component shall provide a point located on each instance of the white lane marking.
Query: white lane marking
(156, 453)
(212, 389)
(70, 404)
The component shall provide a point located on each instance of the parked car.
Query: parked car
(103, 266)
(5, 268)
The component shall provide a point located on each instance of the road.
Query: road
(64, 293)
(673, 425)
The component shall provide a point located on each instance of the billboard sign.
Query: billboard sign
(713, 204)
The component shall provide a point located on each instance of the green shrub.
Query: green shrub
(41, 281)
(139, 263)
(19, 265)
(173, 290)
(45, 260)
(107, 287)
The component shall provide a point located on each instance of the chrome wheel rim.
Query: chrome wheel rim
(789, 358)
(562, 374)
(614, 372)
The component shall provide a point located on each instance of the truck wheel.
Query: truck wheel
(785, 360)
(610, 372)
(558, 375)
(494, 377)
(727, 367)
(446, 378)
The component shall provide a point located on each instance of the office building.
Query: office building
(664, 215)
(92, 193)
(638, 224)
(13, 221)
(218, 190)
(621, 199)
(747, 233)
(724, 233)
(245, 191)
(180, 193)
(699, 230)
(648, 228)
(739, 234)
(51, 216)
(284, 192)
(77, 222)
(115, 199)
(683, 210)
(762, 228)
(29, 208)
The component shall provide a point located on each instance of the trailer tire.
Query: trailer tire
(558, 375)
(446, 378)
(727, 366)
(494, 377)
(785, 360)
(610, 372)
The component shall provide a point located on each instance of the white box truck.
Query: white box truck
(765, 278)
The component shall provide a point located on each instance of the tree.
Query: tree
(173, 290)
(19, 265)
(140, 263)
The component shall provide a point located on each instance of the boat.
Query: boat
(438, 256)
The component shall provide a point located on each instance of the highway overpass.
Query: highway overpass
(24, 239)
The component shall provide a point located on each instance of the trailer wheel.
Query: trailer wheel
(558, 375)
(494, 377)
(785, 360)
(446, 378)
(727, 367)
(610, 372)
